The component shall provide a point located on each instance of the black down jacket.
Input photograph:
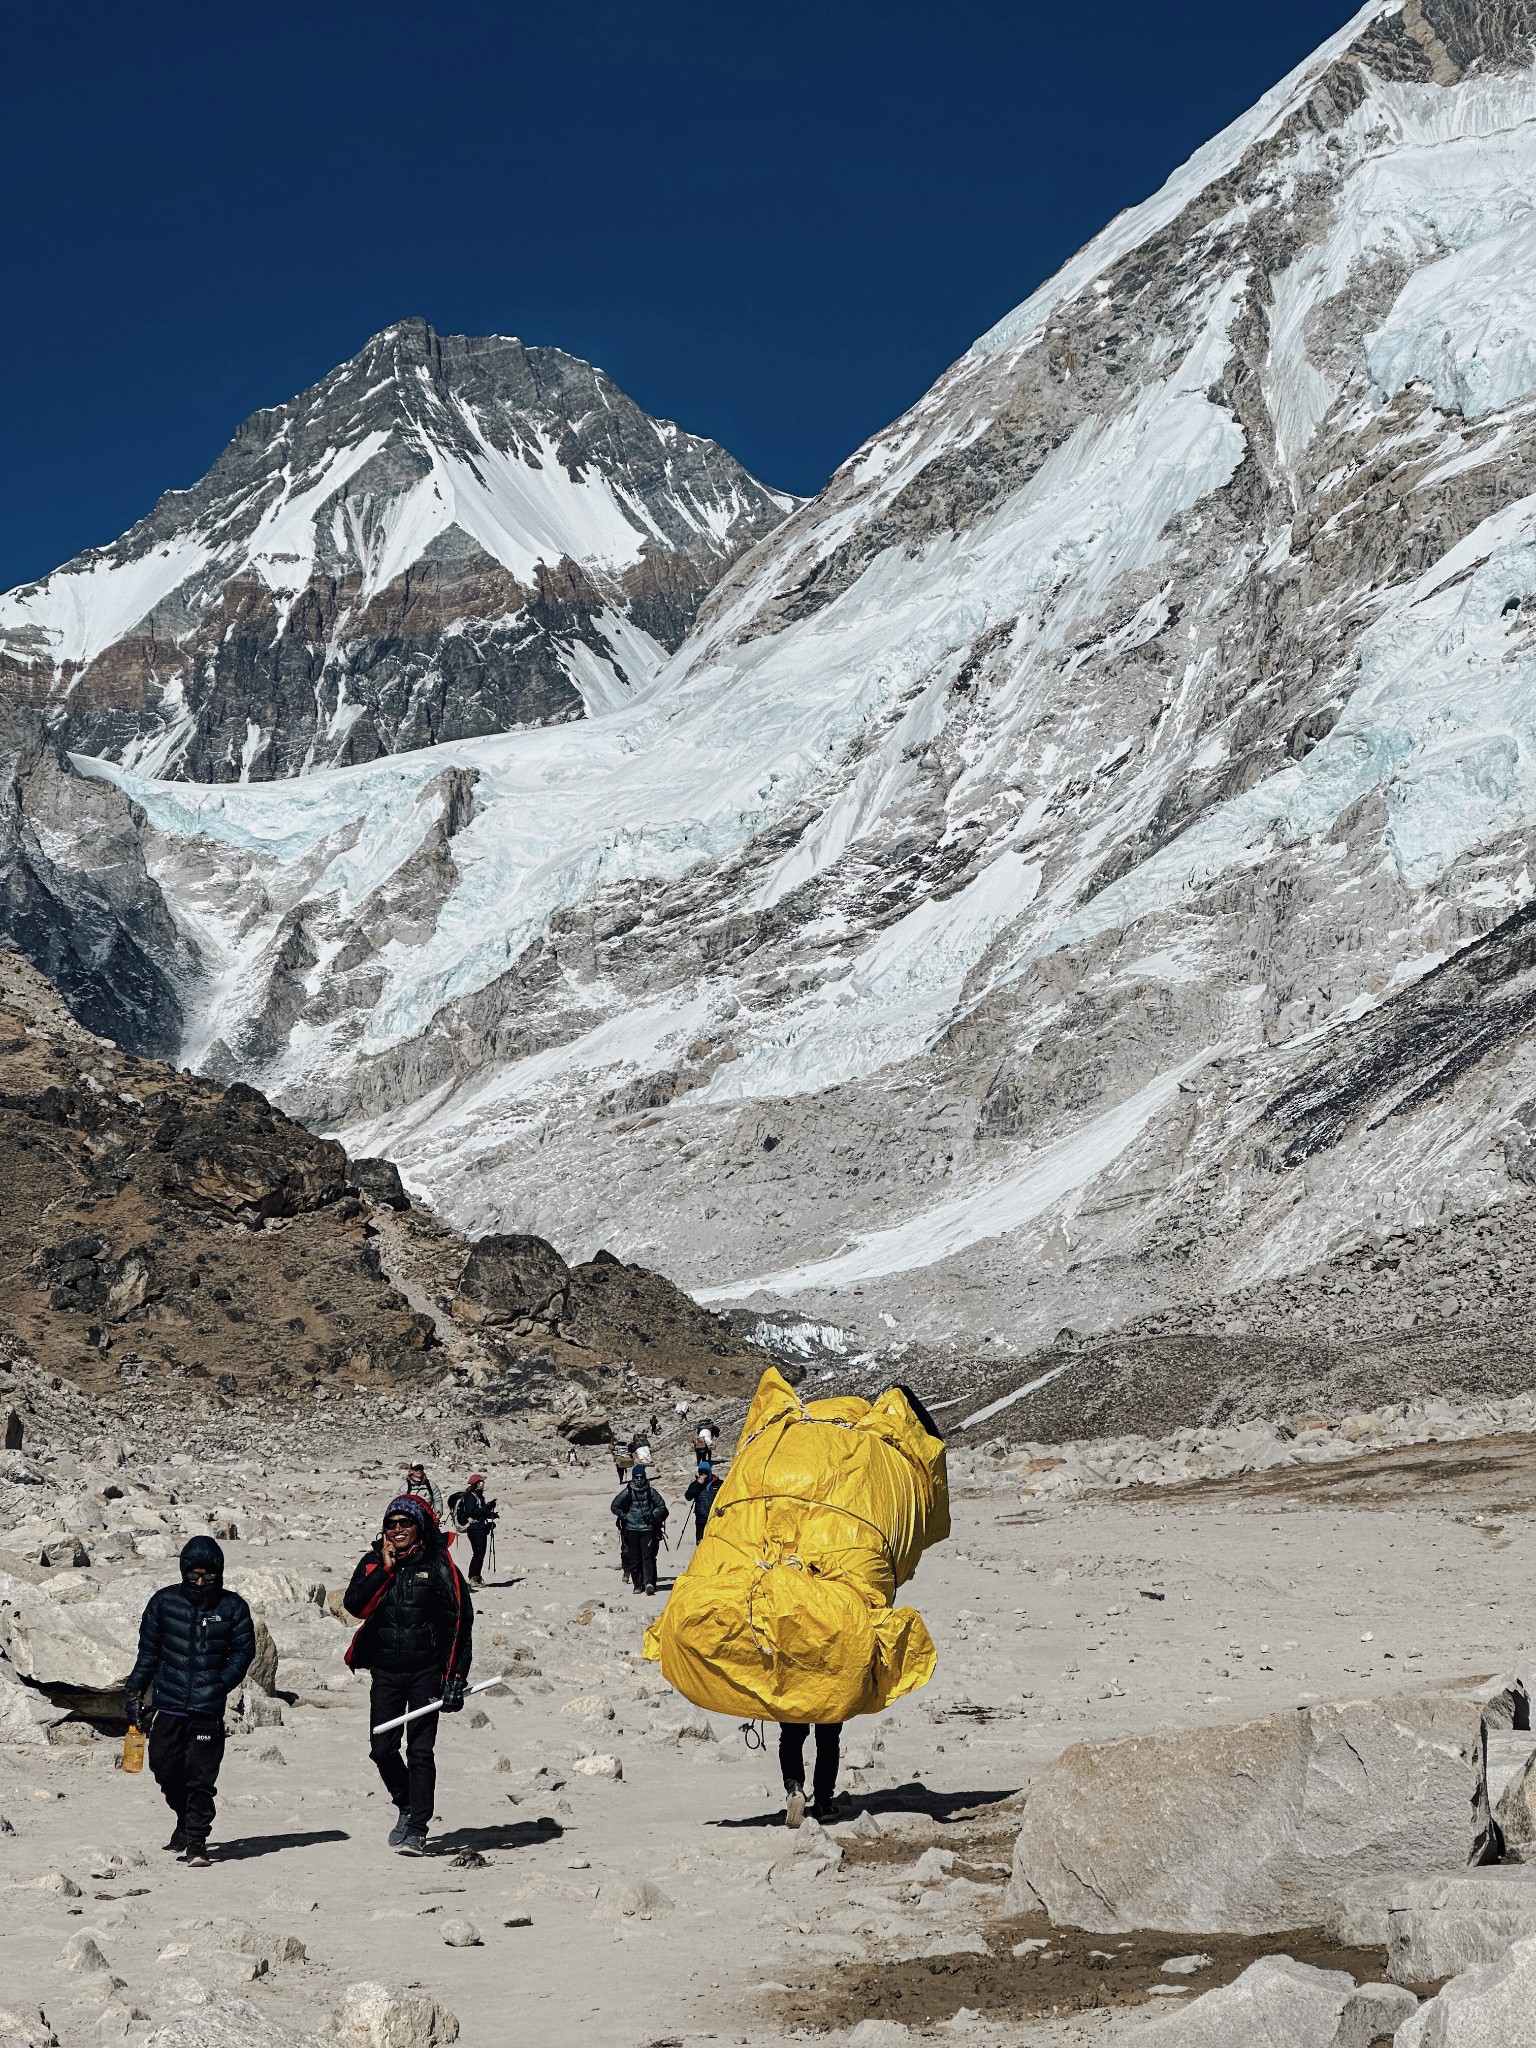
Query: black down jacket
(417, 1617)
(194, 1652)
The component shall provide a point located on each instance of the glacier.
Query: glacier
(1122, 749)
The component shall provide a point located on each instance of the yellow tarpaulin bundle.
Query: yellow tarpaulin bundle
(785, 1611)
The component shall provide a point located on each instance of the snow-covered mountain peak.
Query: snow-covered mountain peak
(447, 535)
(1080, 858)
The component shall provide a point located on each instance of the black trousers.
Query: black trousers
(479, 1537)
(185, 1751)
(829, 1751)
(411, 1783)
(637, 1554)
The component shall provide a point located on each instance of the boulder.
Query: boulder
(25, 2030)
(1490, 2006)
(241, 1158)
(379, 1180)
(270, 1588)
(385, 2016)
(1440, 1926)
(1515, 1806)
(1256, 1828)
(26, 1715)
(1278, 2003)
(226, 2023)
(512, 1279)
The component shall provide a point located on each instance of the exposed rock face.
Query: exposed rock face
(513, 1279)
(1079, 861)
(75, 899)
(1487, 2007)
(1256, 1828)
(134, 1205)
(1441, 1926)
(446, 536)
(1279, 2003)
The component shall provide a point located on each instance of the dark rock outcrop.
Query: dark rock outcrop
(75, 897)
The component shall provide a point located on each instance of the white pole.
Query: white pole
(416, 1712)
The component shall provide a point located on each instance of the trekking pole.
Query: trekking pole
(416, 1713)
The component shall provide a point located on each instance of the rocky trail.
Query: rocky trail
(1113, 1662)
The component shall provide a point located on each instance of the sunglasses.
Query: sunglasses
(398, 1522)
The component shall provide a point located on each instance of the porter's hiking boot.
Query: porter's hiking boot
(414, 1842)
(794, 1806)
(197, 1853)
(476, 1583)
(178, 1841)
(401, 1828)
(650, 1589)
(824, 1810)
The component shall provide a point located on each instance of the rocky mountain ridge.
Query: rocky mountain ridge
(446, 536)
(166, 1237)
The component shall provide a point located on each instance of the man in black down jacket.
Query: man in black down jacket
(416, 1639)
(196, 1642)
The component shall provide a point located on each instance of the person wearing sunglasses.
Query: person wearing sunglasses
(196, 1643)
(416, 1638)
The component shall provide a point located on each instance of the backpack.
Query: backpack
(454, 1500)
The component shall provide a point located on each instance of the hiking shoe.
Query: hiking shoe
(400, 1830)
(824, 1810)
(178, 1841)
(650, 1589)
(794, 1806)
(413, 1842)
(477, 1583)
(197, 1854)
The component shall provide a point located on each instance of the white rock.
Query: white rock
(461, 1934)
(1275, 2003)
(879, 2034)
(225, 2023)
(598, 1767)
(1491, 2006)
(1256, 1828)
(25, 2030)
(384, 2016)
(80, 1952)
(1438, 1927)
(643, 1901)
(1185, 1966)
(590, 1707)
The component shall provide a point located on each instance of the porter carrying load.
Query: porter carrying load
(785, 1610)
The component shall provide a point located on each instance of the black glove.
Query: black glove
(453, 1696)
(135, 1707)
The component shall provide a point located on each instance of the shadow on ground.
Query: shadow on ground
(246, 1846)
(910, 1798)
(516, 1834)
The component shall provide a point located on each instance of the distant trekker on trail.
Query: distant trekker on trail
(417, 1482)
(641, 1514)
(476, 1516)
(703, 1491)
(416, 1639)
(829, 1747)
(196, 1643)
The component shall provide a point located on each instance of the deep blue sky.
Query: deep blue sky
(774, 224)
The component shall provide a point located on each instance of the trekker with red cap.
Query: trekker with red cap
(416, 1639)
(476, 1516)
